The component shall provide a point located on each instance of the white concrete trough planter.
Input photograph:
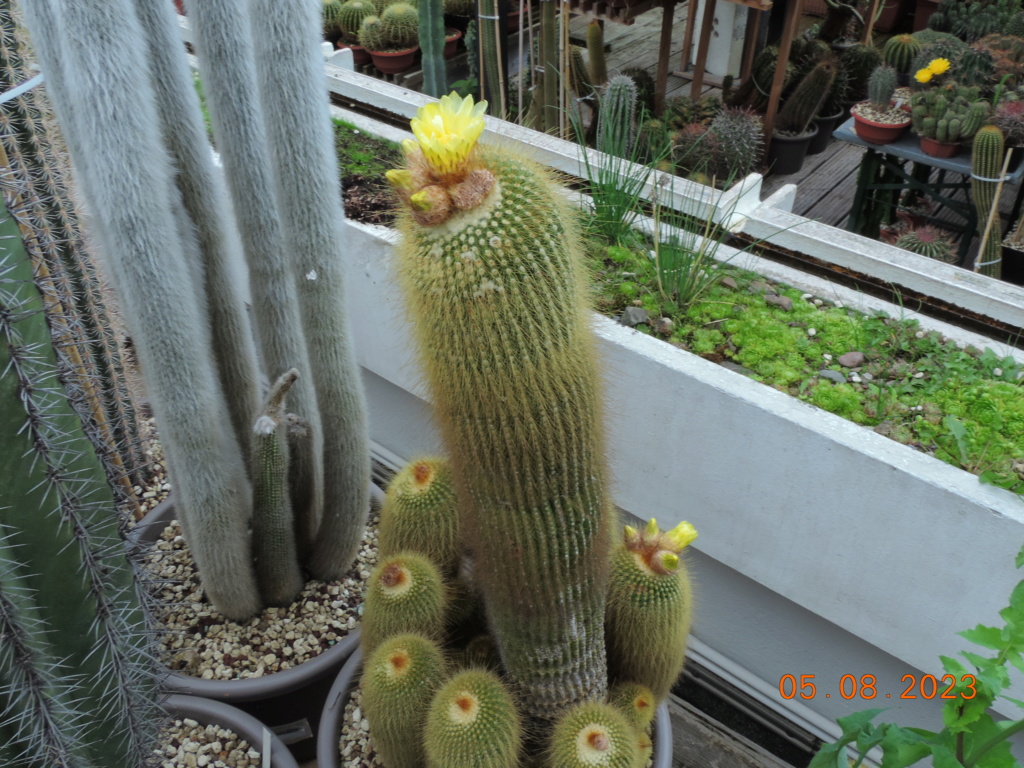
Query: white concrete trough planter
(825, 549)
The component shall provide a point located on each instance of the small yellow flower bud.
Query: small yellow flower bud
(669, 561)
(682, 535)
(421, 201)
(652, 528)
(630, 533)
(399, 177)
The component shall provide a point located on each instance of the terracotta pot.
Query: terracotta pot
(939, 148)
(877, 133)
(209, 712)
(360, 55)
(451, 42)
(786, 154)
(289, 701)
(923, 11)
(394, 62)
(327, 755)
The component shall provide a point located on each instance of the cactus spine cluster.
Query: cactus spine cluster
(928, 241)
(351, 16)
(986, 165)
(76, 686)
(948, 114)
(371, 34)
(900, 51)
(593, 735)
(636, 701)
(739, 142)
(616, 117)
(405, 593)
(399, 680)
(420, 514)
(400, 23)
(881, 86)
(473, 722)
(145, 168)
(649, 607)
(489, 242)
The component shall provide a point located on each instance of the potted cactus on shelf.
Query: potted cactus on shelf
(878, 120)
(899, 53)
(350, 16)
(489, 242)
(794, 129)
(929, 241)
(946, 116)
(391, 38)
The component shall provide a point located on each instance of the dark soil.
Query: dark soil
(368, 199)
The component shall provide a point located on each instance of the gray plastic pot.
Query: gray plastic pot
(289, 702)
(327, 755)
(210, 712)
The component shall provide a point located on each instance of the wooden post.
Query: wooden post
(702, 48)
(691, 22)
(668, 11)
(793, 13)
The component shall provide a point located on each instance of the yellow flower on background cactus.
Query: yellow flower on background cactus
(447, 131)
(923, 75)
(938, 66)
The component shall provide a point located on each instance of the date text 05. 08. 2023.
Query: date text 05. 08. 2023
(866, 687)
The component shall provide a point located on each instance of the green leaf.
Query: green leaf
(855, 722)
(901, 747)
(1019, 561)
(985, 730)
(943, 757)
(985, 636)
(830, 756)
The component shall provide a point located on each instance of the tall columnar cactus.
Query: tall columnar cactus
(986, 165)
(649, 607)
(900, 51)
(754, 91)
(616, 117)
(860, 61)
(595, 52)
(75, 680)
(431, 36)
(805, 101)
(491, 267)
(174, 251)
(37, 190)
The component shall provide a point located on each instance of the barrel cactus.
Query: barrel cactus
(928, 241)
(739, 138)
(400, 24)
(371, 34)
(900, 51)
(351, 15)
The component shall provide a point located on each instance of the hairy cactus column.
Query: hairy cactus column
(297, 119)
(986, 165)
(92, 54)
(491, 265)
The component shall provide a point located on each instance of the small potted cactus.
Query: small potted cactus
(878, 120)
(583, 634)
(794, 128)
(391, 38)
(946, 116)
(929, 241)
(350, 17)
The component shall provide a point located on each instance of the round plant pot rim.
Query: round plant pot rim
(334, 709)
(213, 712)
(250, 688)
(904, 122)
(450, 33)
(403, 52)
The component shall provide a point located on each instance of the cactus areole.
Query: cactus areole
(490, 260)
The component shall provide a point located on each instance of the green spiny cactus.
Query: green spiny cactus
(405, 593)
(371, 34)
(636, 702)
(986, 165)
(399, 680)
(593, 735)
(76, 681)
(838, 17)
(616, 118)
(432, 41)
(928, 241)
(595, 52)
(481, 653)
(351, 15)
(974, 66)
(946, 47)
(464, 8)
(860, 61)
(491, 28)
(971, 20)
(806, 99)
(488, 241)
(420, 514)
(645, 89)
(881, 86)
(739, 135)
(331, 15)
(753, 92)
(579, 76)
(644, 750)
(838, 95)
(649, 606)
(949, 113)
(900, 51)
(1015, 26)
(400, 23)
(473, 722)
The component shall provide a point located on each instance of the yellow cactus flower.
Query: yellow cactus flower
(682, 535)
(938, 66)
(448, 130)
(400, 178)
(923, 75)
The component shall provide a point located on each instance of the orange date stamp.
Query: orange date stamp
(866, 687)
